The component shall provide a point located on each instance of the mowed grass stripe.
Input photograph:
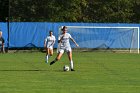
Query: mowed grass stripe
(95, 73)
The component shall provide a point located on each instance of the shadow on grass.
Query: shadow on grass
(24, 70)
(35, 70)
(32, 70)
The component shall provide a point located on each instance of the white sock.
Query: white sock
(71, 64)
(47, 58)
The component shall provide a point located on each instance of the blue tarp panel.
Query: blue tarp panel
(32, 34)
(4, 28)
(28, 34)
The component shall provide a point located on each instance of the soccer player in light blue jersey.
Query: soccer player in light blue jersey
(64, 45)
(48, 45)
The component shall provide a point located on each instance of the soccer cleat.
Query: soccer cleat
(52, 62)
(72, 70)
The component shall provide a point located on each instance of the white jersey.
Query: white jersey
(65, 40)
(50, 40)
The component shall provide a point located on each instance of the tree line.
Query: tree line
(97, 11)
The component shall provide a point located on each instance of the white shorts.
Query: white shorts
(50, 47)
(62, 50)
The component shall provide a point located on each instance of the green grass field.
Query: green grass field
(96, 72)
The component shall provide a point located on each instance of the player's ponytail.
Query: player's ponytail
(64, 28)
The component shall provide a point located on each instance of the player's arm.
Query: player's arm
(74, 41)
(45, 41)
(53, 41)
(60, 39)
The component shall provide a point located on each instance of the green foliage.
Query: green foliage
(4, 10)
(123, 11)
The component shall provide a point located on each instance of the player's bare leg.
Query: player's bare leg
(70, 59)
(50, 52)
(57, 58)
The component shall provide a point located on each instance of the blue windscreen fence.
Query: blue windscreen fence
(32, 34)
(28, 34)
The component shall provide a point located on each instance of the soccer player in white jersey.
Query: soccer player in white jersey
(48, 44)
(64, 45)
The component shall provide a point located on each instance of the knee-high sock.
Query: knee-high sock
(71, 64)
(47, 57)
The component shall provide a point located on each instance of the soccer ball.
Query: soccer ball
(66, 68)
